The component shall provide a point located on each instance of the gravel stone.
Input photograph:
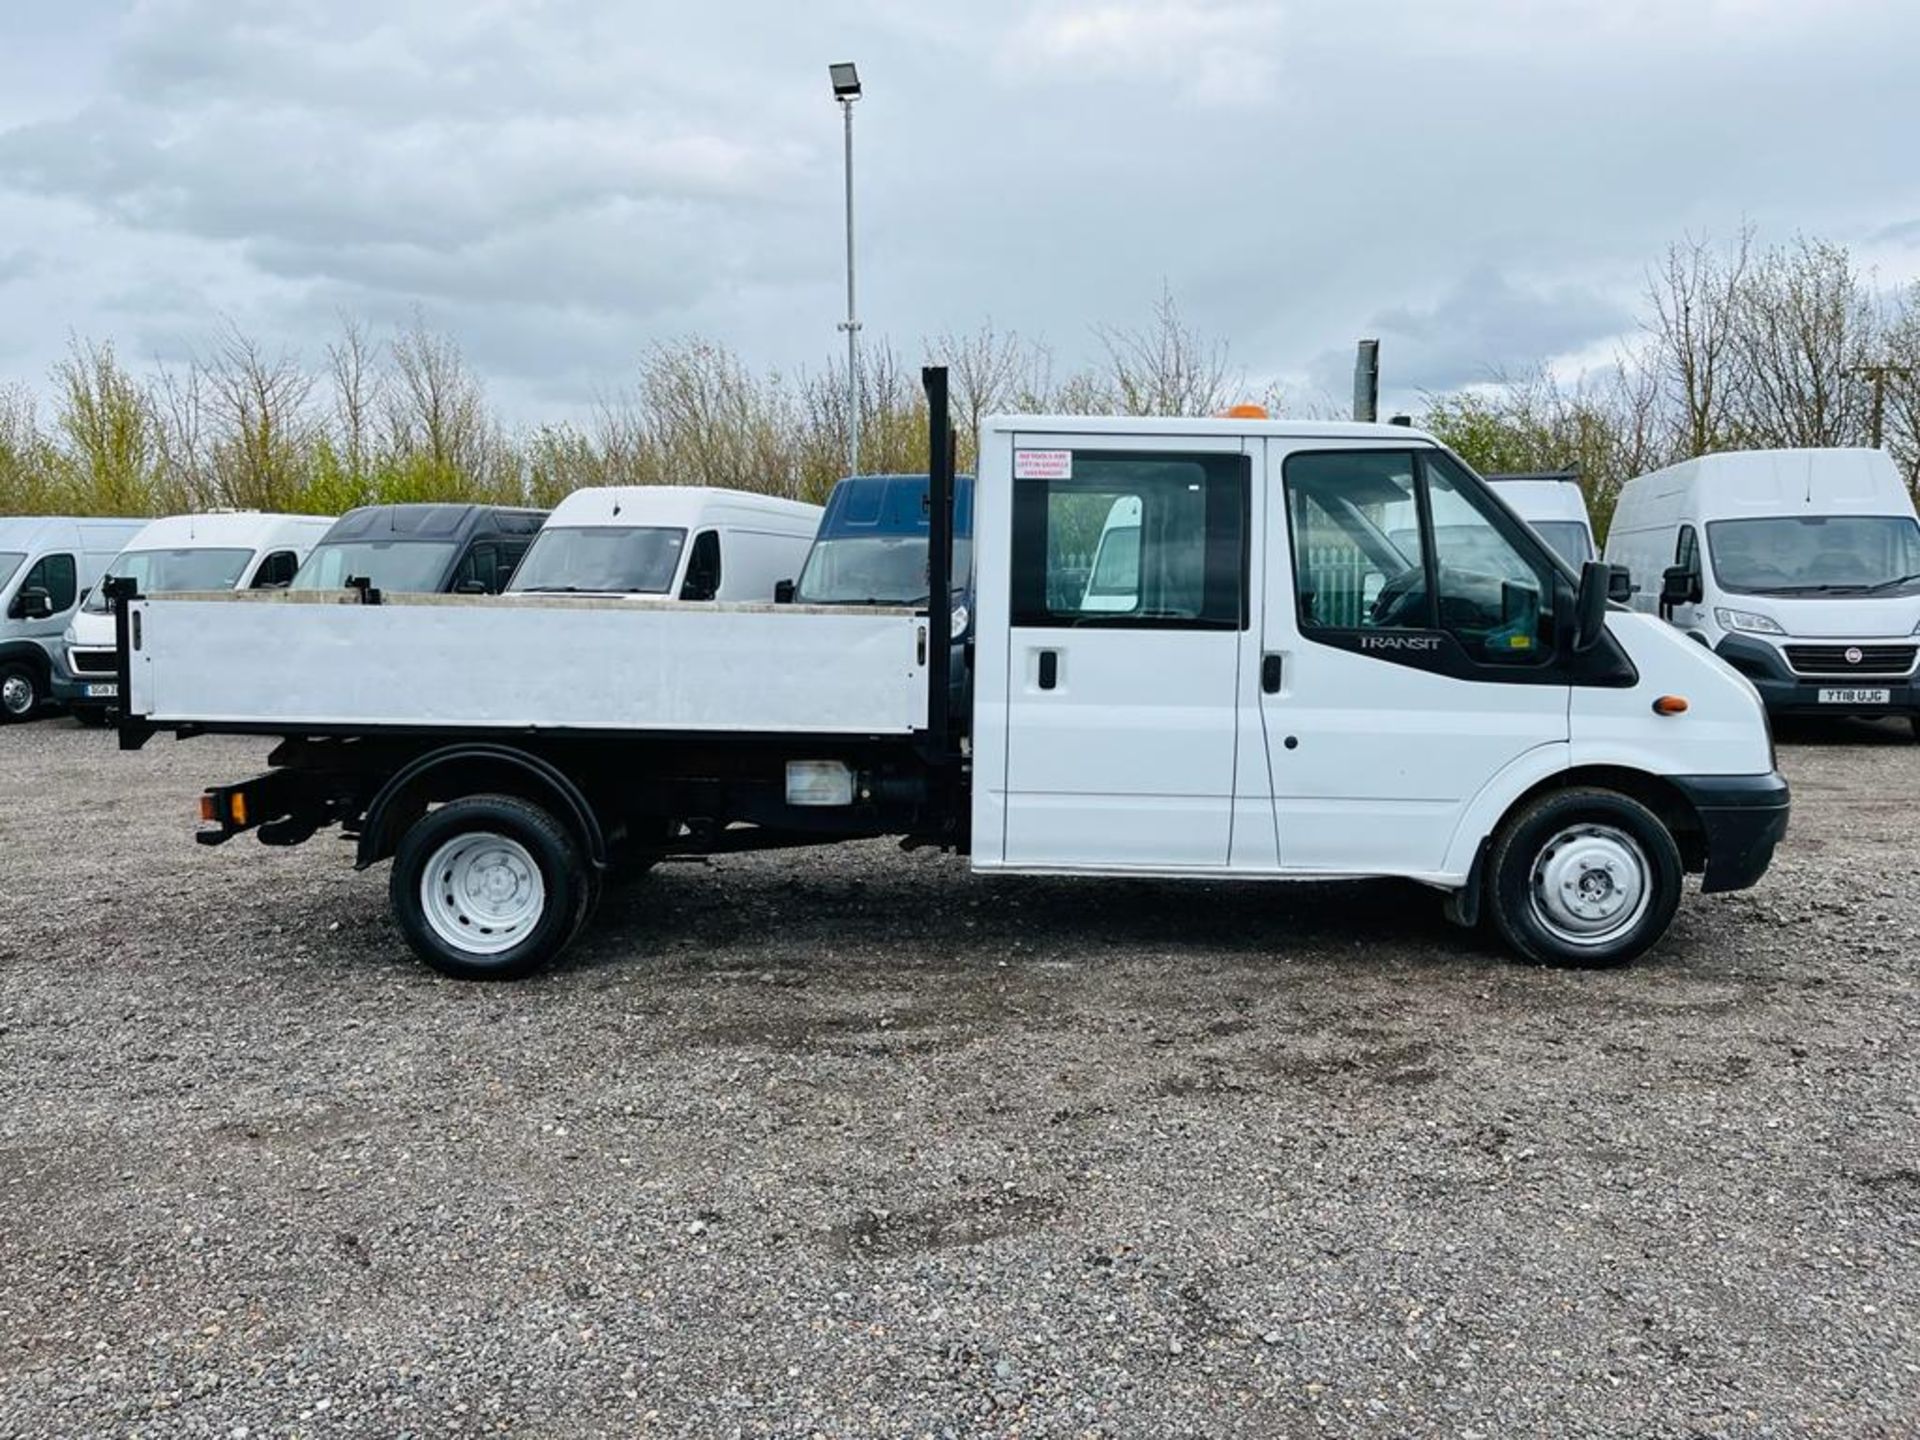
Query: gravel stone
(849, 1143)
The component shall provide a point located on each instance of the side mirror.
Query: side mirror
(783, 592)
(1590, 606)
(1679, 585)
(33, 603)
(471, 587)
(1620, 585)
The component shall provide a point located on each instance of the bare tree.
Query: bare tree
(1695, 300)
(107, 432)
(436, 421)
(263, 432)
(1802, 319)
(358, 387)
(987, 372)
(1166, 367)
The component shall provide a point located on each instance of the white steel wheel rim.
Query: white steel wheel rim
(16, 694)
(482, 893)
(1590, 885)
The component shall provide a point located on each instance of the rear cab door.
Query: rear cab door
(1111, 724)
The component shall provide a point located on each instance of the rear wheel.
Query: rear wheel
(19, 692)
(489, 888)
(1584, 878)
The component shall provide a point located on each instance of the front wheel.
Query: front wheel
(1584, 878)
(19, 693)
(489, 887)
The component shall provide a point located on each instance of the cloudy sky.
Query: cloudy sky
(1481, 183)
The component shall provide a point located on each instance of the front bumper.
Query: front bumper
(84, 691)
(1744, 817)
(1785, 693)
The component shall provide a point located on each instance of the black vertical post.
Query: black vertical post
(933, 379)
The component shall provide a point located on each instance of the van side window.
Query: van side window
(1686, 549)
(1152, 540)
(512, 552)
(703, 568)
(1386, 540)
(1358, 561)
(482, 564)
(1496, 600)
(57, 575)
(276, 571)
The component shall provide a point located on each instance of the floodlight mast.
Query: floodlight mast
(846, 90)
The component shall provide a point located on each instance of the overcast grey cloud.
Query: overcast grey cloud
(557, 182)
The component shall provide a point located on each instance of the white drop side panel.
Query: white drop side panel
(528, 664)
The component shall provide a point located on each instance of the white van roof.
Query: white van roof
(1783, 482)
(684, 506)
(1542, 497)
(230, 530)
(89, 532)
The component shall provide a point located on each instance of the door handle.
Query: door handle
(1049, 669)
(1270, 670)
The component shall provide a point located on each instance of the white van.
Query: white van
(1800, 568)
(48, 564)
(1556, 507)
(239, 550)
(684, 542)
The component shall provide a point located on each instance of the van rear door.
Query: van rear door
(1121, 718)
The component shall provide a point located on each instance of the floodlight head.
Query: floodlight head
(846, 80)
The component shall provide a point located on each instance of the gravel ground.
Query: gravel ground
(850, 1144)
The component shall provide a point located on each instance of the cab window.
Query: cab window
(1402, 540)
(703, 568)
(1150, 540)
(57, 575)
(276, 571)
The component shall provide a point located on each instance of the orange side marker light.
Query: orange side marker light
(1670, 705)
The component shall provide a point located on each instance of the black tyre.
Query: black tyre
(490, 888)
(21, 693)
(90, 716)
(1914, 721)
(1583, 878)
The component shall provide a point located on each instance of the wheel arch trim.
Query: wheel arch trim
(380, 833)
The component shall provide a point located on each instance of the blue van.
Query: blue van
(871, 548)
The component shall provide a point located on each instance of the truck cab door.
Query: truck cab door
(1129, 611)
(1411, 644)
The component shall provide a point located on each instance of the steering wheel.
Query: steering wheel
(1404, 594)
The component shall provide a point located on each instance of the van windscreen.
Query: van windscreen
(1816, 554)
(400, 565)
(601, 560)
(161, 571)
(1568, 538)
(875, 570)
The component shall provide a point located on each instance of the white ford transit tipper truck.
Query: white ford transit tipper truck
(686, 542)
(1287, 693)
(48, 565)
(1800, 568)
(234, 550)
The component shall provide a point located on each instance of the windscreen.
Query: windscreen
(1568, 539)
(1817, 554)
(9, 562)
(160, 571)
(875, 570)
(400, 565)
(601, 559)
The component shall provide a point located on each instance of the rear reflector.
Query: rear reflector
(819, 782)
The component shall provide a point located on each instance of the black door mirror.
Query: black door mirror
(1679, 585)
(1590, 606)
(471, 587)
(783, 592)
(33, 603)
(1620, 585)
